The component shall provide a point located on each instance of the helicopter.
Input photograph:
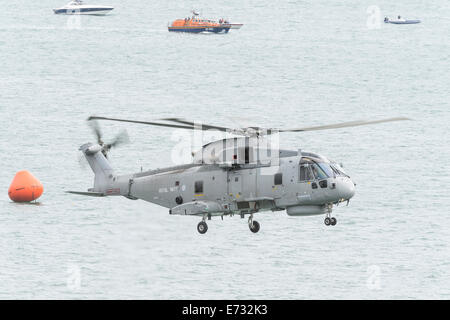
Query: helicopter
(241, 175)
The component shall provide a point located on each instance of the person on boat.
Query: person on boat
(386, 19)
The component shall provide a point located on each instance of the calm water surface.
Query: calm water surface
(293, 64)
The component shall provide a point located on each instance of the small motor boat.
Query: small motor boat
(400, 20)
(78, 7)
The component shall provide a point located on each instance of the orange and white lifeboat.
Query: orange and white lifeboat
(195, 24)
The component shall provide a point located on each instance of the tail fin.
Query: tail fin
(100, 165)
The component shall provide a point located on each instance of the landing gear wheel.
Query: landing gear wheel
(333, 221)
(327, 221)
(254, 227)
(202, 227)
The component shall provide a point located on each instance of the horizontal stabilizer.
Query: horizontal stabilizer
(87, 193)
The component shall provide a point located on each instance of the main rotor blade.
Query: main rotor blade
(344, 125)
(141, 122)
(184, 124)
(187, 124)
(203, 126)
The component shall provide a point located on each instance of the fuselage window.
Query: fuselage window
(198, 186)
(247, 155)
(278, 178)
(305, 173)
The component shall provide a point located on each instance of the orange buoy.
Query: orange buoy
(25, 187)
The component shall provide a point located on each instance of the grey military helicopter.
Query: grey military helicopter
(240, 175)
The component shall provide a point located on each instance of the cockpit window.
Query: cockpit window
(312, 171)
(338, 170)
(326, 167)
(337, 166)
(305, 173)
(318, 172)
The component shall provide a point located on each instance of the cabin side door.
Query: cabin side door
(242, 184)
(234, 185)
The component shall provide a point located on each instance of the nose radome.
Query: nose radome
(346, 189)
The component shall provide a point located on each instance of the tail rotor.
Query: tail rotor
(120, 139)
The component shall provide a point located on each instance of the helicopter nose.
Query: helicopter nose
(346, 188)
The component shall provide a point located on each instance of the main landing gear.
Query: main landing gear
(329, 220)
(202, 227)
(253, 225)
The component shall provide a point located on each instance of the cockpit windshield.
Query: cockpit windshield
(312, 171)
(333, 169)
(338, 171)
(326, 167)
(318, 172)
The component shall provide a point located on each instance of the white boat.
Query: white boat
(78, 7)
(400, 20)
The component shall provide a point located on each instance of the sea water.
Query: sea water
(292, 64)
